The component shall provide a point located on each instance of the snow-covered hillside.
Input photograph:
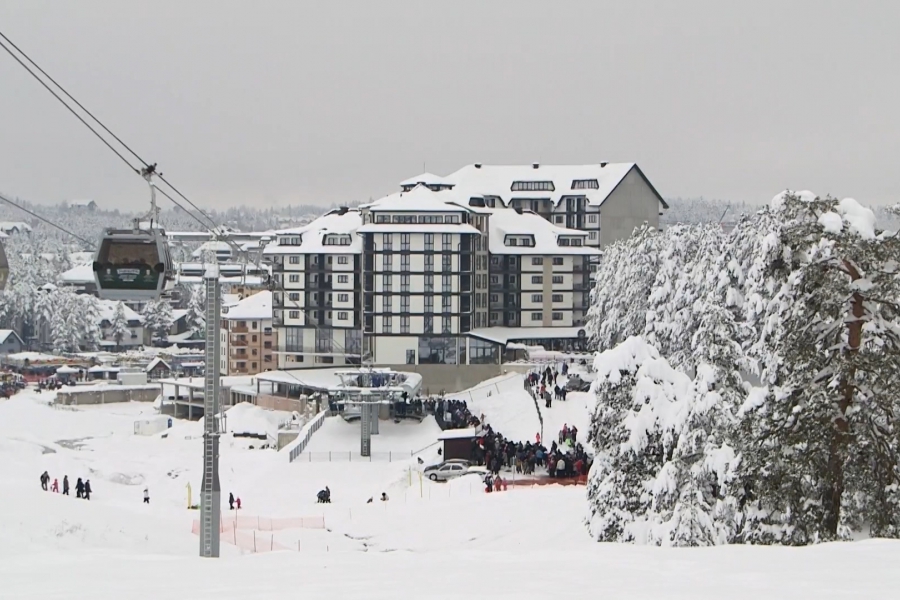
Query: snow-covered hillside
(429, 540)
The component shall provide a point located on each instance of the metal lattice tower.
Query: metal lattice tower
(210, 491)
(365, 423)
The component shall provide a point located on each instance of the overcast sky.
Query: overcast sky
(285, 101)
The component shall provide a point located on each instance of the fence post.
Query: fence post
(254, 541)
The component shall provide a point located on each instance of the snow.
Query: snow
(107, 310)
(78, 275)
(459, 434)
(252, 308)
(524, 543)
(502, 335)
(497, 180)
(5, 333)
(778, 201)
(505, 221)
(510, 410)
(426, 178)
(860, 220)
(831, 222)
(421, 199)
(248, 418)
(313, 235)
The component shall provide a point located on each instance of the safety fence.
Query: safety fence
(257, 534)
(357, 457)
(299, 445)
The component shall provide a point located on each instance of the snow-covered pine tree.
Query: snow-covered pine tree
(118, 326)
(685, 275)
(89, 322)
(196, 315)
(158, 318)
(821, 449)
(624, 281)
(65, 330)
(634, 486)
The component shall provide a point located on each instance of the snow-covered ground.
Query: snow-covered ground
(510, 410)
(428, 541)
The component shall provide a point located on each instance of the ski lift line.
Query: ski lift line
(69, 108)
(72, 98)
(101, 124)
(90, 245)
(215, 230)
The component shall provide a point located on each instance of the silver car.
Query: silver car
(451, 470)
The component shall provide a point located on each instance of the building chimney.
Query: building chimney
(477, 165)
(603, 164)
(535, 165)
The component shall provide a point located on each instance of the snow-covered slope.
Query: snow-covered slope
(429, 540)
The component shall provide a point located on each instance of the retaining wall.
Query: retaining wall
(108, 395)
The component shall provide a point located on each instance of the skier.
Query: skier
(55, 487)
(45, 479)
(237, 503)
(65, 485)
(384, 497)
(79, 488)
(230, 501)
(87, 489)
(146, 495)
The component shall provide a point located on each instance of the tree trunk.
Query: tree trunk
(834, 487)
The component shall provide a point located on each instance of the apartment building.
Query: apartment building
(424, 274)
(317, 299)
(247, 344)
(605, 200)
(453, 270)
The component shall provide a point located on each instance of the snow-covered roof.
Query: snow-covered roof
(420, 199)
(156, 362)
(212, 246)
(107, 311)
(79, 274)
(426, 178)
(459, 434)
(497, 180)
(313, 235)
(257, 306)
(81, 202)
(178, 314)
(502, 335)
(506, 221)
(7, 226)
(34, 357)
(5, 333)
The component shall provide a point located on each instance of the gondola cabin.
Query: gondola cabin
(132, 265)
(4, 268)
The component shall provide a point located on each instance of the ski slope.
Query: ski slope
(428, 541)
(510, 410)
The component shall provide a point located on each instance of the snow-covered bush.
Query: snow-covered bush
(662, 456)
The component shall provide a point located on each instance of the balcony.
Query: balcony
(238, 342)
(237, 329)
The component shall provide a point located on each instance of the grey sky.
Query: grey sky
(278, 101)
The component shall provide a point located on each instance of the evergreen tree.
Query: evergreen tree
(118, 327)
(821, 448)
(158, 319)
(196, 315)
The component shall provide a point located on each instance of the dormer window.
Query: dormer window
(585, 184)
(337, 240)
(570, 241)
(532, 186)
(519, 240)
(291, 240)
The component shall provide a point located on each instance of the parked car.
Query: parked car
(577, 384)
(452, 469)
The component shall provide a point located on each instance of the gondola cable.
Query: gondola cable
(89, 244)
(145, 172)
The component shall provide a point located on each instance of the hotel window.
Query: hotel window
(557, 316)
(447, 242)
(294, 260)
(343, 260)
(387, 240)
(537, 297)
(294, 278)
(536, 316)
(343, 278)
(404, 283)
(386, 324)
(446, 262)
(404, 241)
(557, 279)
(537, 260)
(404, 324)
(429, 242)
(537, 279)
(387, 282)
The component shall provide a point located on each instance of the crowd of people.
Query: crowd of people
(540, 384)
(564, 458)
(82, 488)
